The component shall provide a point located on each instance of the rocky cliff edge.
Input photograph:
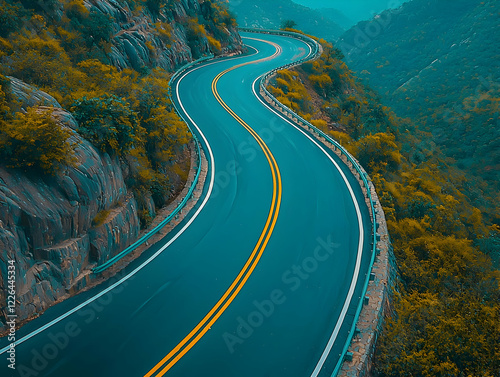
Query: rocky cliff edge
(49, 225)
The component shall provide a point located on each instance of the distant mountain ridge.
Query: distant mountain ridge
(337, 16)
(270, 15)
(439, 65)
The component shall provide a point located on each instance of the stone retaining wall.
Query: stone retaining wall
(359, 359)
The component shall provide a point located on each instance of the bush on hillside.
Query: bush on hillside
(35, 141)
(108, 122)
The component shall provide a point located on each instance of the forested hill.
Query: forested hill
(271, 14)
(438, 62)
(337, 16)
(444, 318)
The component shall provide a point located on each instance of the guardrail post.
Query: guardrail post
(348, 356)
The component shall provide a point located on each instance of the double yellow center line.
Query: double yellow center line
(205, 324)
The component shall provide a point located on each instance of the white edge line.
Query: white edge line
(343, 313)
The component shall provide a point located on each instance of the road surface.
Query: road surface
(261, 279)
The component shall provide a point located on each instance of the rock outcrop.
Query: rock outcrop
(55, 228)
(47, 223)
(141, 42)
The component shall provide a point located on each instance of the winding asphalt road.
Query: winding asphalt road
(261, 279)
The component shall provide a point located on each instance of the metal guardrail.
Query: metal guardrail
(318, 50)
(320, 134)
(189, 194)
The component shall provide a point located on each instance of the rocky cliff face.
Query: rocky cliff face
(55, 228)
(47, 222)
(143, 40)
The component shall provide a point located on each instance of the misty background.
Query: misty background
(327, 19)
(354, 10)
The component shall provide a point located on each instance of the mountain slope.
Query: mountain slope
(337, 16)
(270, 15)
(444, 313)
(94, 76)
(439, 65)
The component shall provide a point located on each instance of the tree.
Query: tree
(108, 122)
(35, 141)
(490, 245)
(166, 133)
(4, 98)
(155, 6)
(440, 336)
(288, 24)
(10, 18)
(322, 84)
(378, 151)
(43, 62)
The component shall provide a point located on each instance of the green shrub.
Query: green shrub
(24, 142)
(97, 28)
(41, 6)
(108, 122)
(10, 18)
(4, 98)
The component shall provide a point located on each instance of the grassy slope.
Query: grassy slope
(439, 65)
(446, 310)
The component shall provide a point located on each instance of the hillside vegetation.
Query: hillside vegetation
(438, 63)
(90, 145)
(65, 48)
(445, 319)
